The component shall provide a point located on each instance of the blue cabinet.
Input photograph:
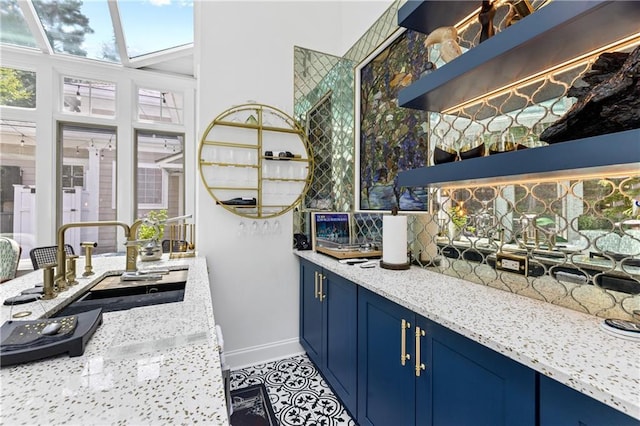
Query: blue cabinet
(391, 366)
(446, 379)
(561, 405)
(470, 384)
(386, 380)
(328, 318)
(310, 311)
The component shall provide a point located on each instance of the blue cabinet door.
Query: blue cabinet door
(310, 312)
(561, 405)
(386, 388)
(340, 362)
(470, 384)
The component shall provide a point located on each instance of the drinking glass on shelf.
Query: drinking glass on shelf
(229, 155)
(529, 142)
(502, 143)
(445, 150)
(472, 147)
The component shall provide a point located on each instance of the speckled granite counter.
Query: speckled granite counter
(149, 365)
(565, 345)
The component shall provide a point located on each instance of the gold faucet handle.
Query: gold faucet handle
(48, 284)
(88, 249)
(71, 269)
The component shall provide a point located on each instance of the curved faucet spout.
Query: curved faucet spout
(61, 255)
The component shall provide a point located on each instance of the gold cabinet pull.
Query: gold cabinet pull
(404, 356)
(315, 284)
(321, 294)
(419, 365)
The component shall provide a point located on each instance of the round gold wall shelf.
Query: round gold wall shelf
(255, 161)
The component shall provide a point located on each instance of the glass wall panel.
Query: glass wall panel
(17, 88)
(89, 97)
(160, 173)
(88, 184)
(17, 183)
(160, 107)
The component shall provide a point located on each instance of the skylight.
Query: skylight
(13, 27)
(85, 28)
(166, 24)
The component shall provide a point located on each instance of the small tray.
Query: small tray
(73, 341)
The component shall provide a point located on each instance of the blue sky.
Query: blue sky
(149, 25)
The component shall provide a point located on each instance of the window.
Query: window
(17, 88)
(72, 176)
(86, 183)
(160, 177)
(17, 182)
(89, 97)
(151, 187)
(162, 107)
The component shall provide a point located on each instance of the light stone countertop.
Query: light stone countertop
(145, 366)
(560, 343)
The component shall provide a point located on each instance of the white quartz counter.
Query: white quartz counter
(149, 365)
(563, 344)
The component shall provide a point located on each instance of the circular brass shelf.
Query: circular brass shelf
(237, 173)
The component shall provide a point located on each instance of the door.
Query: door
(470, 384)
(340, 343)
(310, 311)
(386, 387)
(561, 405)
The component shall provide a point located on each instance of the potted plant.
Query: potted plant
(150, 234)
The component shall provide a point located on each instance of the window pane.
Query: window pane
(17, 183)
(160, 107)
(160, 175)
(13, 27)
(89, 97)
(81, 28)
(167, 24)
(17, 88)
(88, 185)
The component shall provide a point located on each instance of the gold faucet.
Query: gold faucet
(130, 232)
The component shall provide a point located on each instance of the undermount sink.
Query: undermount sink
(113, 294)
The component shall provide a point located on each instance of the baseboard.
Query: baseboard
(253, 355)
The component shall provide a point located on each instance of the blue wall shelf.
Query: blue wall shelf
(606, 154)
(558, 32)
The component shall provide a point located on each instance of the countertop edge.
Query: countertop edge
(535, 319)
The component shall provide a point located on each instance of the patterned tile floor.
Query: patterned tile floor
(298, 393)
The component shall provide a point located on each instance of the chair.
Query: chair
(43, 255)
(10, 252)
(178, 246)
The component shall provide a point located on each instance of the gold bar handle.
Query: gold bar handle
(404, 356)
(315, 285)
(419, 365)
(321, 295)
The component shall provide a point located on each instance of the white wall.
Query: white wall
(244, 51)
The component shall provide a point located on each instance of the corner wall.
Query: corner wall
(244, 51)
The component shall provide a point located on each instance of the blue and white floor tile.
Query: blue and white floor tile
(298, 393)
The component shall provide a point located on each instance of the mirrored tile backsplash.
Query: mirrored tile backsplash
(573, 242)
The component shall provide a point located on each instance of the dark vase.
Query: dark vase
(486, 15)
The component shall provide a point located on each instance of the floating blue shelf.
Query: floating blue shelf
(612, 153)
(558, 32)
